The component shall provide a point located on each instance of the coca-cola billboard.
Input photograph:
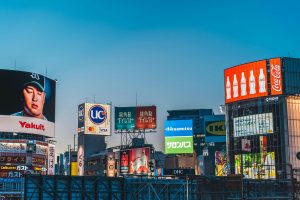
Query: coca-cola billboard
(246, 81)
(275, 76)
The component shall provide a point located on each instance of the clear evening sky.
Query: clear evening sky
(171, 53)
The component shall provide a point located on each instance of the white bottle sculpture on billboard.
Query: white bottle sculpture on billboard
(228, 88)
(262, 81)
(252, 83)
(235, 87)
(243, 85)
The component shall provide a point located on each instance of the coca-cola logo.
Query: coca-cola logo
(276, 74)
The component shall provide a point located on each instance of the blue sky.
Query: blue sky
(171, 53)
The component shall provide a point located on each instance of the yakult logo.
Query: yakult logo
(97, 114)
(276, 75)
(32, 125)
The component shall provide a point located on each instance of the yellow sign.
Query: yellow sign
(74, 169)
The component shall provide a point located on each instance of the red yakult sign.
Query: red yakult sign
(275, 76)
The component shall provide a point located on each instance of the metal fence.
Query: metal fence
(136, 188)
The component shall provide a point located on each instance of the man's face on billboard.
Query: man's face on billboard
(34, 101)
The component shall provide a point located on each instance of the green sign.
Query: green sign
(175, 145)
(125, 118)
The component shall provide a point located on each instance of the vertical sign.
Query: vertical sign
(80, 160)
(51, 159)
(124, 162)
(146, 117)
(276, 76)
(81, 115)
(110, 164)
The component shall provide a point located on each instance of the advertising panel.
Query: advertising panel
(110, 164)
(246, 81)
(51, 159)
(178, 136)
(124, 162)
(125, 118)
(21, 159)
(253, 124)
(146, 117)
(29, 103)
(275, 76)
(246, 145)
(74, 169)
(80, 160)
(38, 160)
(215, 131)
(221, 164)
(81, 117)
(139, 159)
(13, 147)
(256, 165)
(96, 119)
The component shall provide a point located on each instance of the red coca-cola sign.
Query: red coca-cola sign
(276, 76)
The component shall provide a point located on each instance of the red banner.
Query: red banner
(275, 76)
(246, 81)
(146, 117)
(139, 159)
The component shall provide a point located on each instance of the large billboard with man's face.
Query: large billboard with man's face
(94, 119)
(27, 104)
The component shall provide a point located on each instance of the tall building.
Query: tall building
(263, 117)
(27, 120)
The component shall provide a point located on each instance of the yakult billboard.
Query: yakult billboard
(94, 119)
(29, 103)
(246, 81)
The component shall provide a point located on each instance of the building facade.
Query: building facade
(263, 118)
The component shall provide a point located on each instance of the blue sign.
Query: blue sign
(97, 114)
(174, 128)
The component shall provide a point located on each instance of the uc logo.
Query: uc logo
(97, 114)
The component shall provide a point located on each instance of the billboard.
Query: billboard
(138, 160)
(13, 147)
(74, 169)
(253, 124)
(94, 119)
(125, 118)
(178, 136)
(124, 162)
(51, 159)
(215, 131)
(275, 76)
(221, 164)
(246, 81)
(110, 164)
(20, 159)
(29, 103)
(256, 165)
(130, 118)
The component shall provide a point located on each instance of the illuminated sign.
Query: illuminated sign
(146, 117)
(256, 165)
(12, 147)
(246, 81)
(275, 76)
(178, 136)
(51, 159)
(74, 169)
(124, 162)
(125, 118)
(110, 165)
(130, 118)
(253, 125)
(80, 160)
(37, 160)
(139, 159)
(19, 112)
(221, 164)
(94, 119)
(13, 159)
(215, 131)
